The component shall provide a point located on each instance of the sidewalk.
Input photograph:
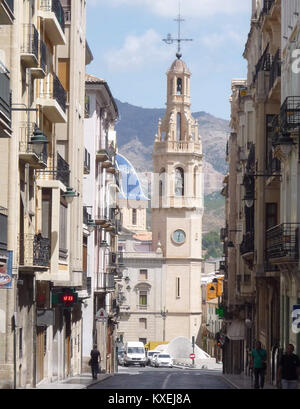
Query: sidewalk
(82, 381)
(243, 381)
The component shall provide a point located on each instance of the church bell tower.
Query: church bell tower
(177, 205)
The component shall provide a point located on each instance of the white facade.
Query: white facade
(100, 203)
(142, 289)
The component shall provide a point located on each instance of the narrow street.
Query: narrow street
(162, 379)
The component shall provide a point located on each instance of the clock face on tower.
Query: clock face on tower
(179, 236)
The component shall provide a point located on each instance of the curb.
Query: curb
(230, 382)
(106, 376)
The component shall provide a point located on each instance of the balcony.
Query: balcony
(105, 155)
(247, 245)
(264, 64)
(6, 12)
(52, 13)
(34, 252)
(105, 282)
(87, 162)
(30, 46)
(52, 99)
(40, 70)
(60, 173)
(26, 153)
(275, 71)
(290, 113)
(116, 260)
(283, 243)
(5, 103)
(3, 231)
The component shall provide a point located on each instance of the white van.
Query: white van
(134, 354)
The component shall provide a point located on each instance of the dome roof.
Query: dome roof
(130, 187)
(179, 66)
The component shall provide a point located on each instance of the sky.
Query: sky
(125, 37)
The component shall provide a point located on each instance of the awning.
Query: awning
(236, 331)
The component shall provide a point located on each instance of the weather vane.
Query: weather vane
(170, 40)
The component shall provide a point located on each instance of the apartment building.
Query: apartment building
(46, 55)
(102, 220)
(260, 237)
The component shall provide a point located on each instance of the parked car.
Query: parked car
(150, 356)
(163, 359)
(121, 357)
(134, 354)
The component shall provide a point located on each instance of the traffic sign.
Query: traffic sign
(101, 315)
(192, 356)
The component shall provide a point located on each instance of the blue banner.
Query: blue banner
(6, 272)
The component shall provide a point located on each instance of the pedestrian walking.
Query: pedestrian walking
(289, 369)
(258, 364)
(95, 361)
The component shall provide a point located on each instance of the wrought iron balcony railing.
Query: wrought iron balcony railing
(116, 259)
(264, 63)
(290, 113)
(61, 172)
(51, 88)
(34, 250)
(105, 281)
(283, 241)
(247, 245)
(56, 7)
(275, 71)
(30, 40)
(59, 92)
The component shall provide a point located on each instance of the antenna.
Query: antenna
(170, 40)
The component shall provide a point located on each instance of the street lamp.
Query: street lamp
(69, 195)
(91, 225)
(38, 141)
(164, 314)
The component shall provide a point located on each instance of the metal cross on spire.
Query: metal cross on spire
(170, 40)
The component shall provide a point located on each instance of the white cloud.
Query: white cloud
(137, 52)
(190, 8)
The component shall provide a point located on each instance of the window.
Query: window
(179, 182)
(143, 323)
(63, 252)
(143, 274)
(143, 299)
(179, 86)
(143, 340)
(177, 287)
(134, 217)
(271, 215)
(20, 343)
